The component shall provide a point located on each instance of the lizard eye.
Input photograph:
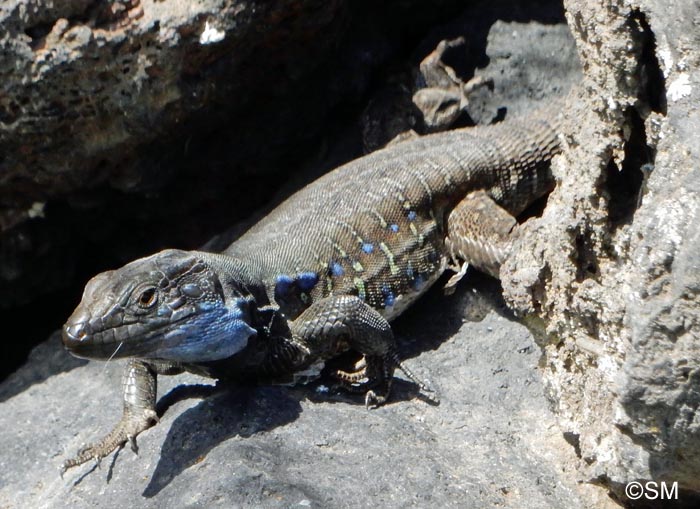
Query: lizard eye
(147, 297)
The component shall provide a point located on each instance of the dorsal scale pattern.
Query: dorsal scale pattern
(375, 227)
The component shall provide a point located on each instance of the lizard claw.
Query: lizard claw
(132, 443)
(372, 400)
(451, 285)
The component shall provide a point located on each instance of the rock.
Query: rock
(610, 269)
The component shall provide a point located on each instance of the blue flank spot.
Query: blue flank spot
(419, 282)
(307, 280)
(412, 215)
(394, 227)
(283, 284)
(389, 297)
(367, 247)
(409, 270)
(337, 269)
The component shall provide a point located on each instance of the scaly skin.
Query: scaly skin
(323, 273)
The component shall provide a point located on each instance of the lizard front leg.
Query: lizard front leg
(139, 385)
(335, 324)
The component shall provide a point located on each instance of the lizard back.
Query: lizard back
(375, 227)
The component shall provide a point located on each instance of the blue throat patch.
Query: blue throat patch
(213, 333)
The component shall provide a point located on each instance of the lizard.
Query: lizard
(323, 273)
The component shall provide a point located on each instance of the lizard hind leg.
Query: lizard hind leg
(348, 378)
(373, 379)
(357, 375)
(480, 233)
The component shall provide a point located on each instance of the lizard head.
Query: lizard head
(170, 306)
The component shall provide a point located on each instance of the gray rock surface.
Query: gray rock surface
(611, 269)
(491, 442)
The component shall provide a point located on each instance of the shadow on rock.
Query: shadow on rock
(441, 316)
(227, 412)
(45, 360)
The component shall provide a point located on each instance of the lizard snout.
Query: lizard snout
(74, 333)
(77, 331)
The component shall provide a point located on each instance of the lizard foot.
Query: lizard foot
(371, 376)
(374, 379)
(430, 394)
(125, 431)
(451, 285)
(353, 377)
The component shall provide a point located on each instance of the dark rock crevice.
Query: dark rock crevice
(653, 89)
(624, 185)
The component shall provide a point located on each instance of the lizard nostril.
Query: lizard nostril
(74, 333)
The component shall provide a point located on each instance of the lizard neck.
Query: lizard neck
(243, 276)
(235, 273)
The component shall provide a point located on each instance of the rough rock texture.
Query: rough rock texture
(611, 270)
(86, 81)
(492, 442)
(607, 278)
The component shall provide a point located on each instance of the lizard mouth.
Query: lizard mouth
(83, 339)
